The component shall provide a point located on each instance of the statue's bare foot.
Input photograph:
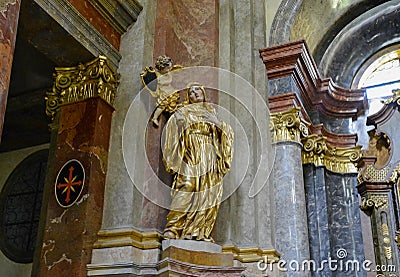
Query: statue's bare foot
(169, 235)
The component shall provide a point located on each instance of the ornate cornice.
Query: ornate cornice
(293, 59)
(120, 14)
(288, 126)
(128, 237)
(289, 121)
(72, 84)
(251, 254)
(285, 102)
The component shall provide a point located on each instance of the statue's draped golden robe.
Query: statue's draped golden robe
(199, 154)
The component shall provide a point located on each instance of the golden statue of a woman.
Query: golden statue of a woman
(198, 151)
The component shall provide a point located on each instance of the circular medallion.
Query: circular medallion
(69, 183)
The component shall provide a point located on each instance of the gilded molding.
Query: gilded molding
(251, 254)
(128, 237)
(73, 84)
(287, 125)
(388, 252)
(317, 151)
(372, 201)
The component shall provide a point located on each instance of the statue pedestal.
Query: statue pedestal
(195, 258)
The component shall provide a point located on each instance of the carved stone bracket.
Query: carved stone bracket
(288, 125)
(72, 84)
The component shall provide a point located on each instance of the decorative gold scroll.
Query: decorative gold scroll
(397, 239)
(314, 149)
(72, 84)
(288, 126)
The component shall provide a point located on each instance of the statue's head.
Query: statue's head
(163, 63)
(195, 93)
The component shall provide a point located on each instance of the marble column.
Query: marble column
(291, 229)
(9, 14)
(317, 215)
(290, 215)
(344, 220)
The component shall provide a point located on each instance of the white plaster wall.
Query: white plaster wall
(8, 162)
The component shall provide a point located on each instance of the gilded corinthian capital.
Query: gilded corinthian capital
(287, 125)
(72, 84)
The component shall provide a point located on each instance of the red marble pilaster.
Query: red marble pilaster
(84, 132)
(9, 14)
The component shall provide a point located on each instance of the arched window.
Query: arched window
(379, 76)
(20, 204)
